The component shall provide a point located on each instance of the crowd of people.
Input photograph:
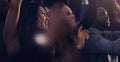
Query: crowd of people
(55, 31)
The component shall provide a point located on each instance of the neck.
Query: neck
(99, 27)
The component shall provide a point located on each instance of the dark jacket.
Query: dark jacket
(97, 47)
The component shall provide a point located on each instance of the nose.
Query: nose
(73, 16)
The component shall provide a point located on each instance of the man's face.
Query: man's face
(62, 21)
(102, 17)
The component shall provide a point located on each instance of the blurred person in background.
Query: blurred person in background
(113, 8)
(61, 30)
(103, 44)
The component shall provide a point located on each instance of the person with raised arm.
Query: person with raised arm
(10, 29)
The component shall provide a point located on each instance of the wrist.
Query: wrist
(80, 44)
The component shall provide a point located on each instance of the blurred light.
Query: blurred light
(41, 39)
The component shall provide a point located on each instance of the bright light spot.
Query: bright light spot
(41, 39)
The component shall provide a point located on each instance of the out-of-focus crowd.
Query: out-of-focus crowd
(59, 31)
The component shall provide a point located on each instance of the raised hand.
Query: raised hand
(82, 36)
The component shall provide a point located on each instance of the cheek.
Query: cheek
(64, 26)
(70, 22)
(43, 17)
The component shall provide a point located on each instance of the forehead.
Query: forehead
(101, 11)
(66, 9)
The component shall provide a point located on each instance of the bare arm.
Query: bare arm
(10, 29)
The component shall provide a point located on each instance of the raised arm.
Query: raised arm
(10, 29)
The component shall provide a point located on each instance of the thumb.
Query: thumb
(80, 29)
